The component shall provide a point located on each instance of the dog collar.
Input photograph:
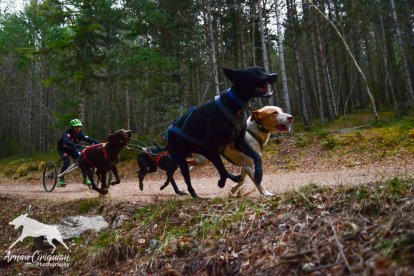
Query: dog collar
(234, 98)
(257, 138)
(261, 127)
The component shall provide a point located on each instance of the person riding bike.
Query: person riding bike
(68, 145)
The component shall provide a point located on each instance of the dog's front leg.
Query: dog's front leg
(214, 157)
(262, 189)
(21, 238)
(104, 189)
(246, 149)
(116, 174)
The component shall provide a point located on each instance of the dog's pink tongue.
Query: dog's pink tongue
(281, 127)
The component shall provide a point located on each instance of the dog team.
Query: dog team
(218, 128)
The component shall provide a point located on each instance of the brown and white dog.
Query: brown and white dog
(262, 122)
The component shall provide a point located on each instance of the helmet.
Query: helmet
(75, 123)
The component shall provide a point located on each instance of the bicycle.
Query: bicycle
(50, 175)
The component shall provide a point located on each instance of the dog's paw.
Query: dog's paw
(222, 182)
(267, 193)
(95, 188)
(193, 193)
(163, 187)
(115, 183)
(104, 191)
(141, 186)
(181, 193)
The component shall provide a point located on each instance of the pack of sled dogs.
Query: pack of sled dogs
(217, 129)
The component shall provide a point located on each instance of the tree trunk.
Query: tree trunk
(213, 57)
(384, 51)
(321, 111)
(241, 32)
(253, 15)
(285, 93)
(263, 41)
(81, 101)
(292, 17)
(406, 69)
(128, 118)
(374, 108)
(325, 74)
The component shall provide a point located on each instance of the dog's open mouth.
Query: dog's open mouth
(128, 137)
(282, 127)
(263, 90)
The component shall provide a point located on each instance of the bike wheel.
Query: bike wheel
(49, 176)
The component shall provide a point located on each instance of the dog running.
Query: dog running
(211, 126)
(153, 157)
(262, 122)
(104, 158)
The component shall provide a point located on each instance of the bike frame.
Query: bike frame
(72, 167)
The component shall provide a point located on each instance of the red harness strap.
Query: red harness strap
(105, 154)
(157, 157)
(161, 155)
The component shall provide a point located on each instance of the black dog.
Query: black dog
(153, 157)
(209, 127)
(104, 158)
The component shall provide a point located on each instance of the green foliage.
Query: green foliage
(88, 204)
(329, 142)
(302, 141)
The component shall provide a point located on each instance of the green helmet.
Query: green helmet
(75, 123)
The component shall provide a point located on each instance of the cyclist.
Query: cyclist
(69, 145)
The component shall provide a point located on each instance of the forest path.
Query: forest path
(207, 187)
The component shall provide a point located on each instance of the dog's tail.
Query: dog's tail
(158, 146)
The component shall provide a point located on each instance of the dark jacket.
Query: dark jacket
(70, 139)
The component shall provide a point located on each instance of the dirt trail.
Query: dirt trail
(207, 186)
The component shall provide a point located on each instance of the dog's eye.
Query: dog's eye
(275, 112)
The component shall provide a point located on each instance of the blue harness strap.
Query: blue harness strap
(228, 114)
(234, 98)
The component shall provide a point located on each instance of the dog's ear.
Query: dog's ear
(230, 74)
(109, 137)
(262, 113)
(256, 115)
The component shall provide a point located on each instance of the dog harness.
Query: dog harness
(229, 115)
(157, 157)
(85, 151)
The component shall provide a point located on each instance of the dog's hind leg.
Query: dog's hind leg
(215, 158)
(165, 184)
(182, 163)
(86, 170)
(241, 182)
(59, 239)
(170, 178)
(50, 241)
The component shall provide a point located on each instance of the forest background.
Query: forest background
(140, 64)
